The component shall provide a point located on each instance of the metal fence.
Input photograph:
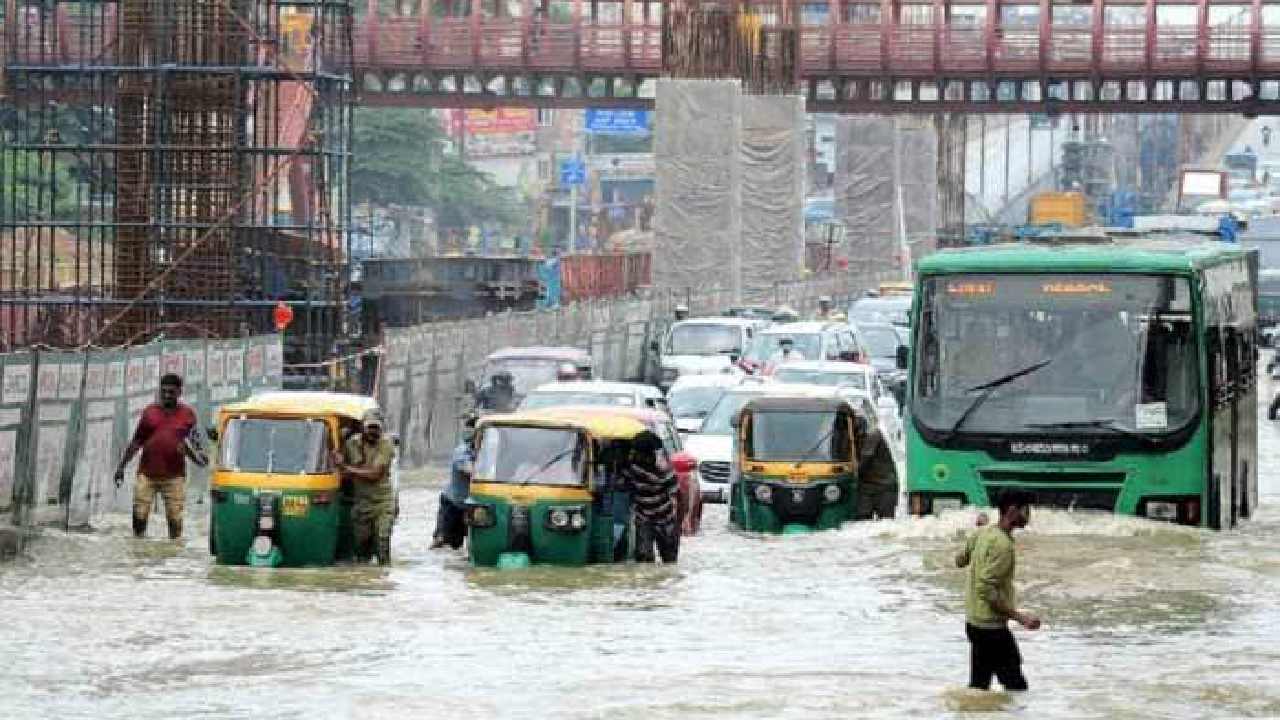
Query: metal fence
(66, 417)
(424, 367)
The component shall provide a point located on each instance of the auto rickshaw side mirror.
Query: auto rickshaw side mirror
(902, 357)
(469, 387)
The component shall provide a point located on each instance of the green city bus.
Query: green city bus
(1117, 375)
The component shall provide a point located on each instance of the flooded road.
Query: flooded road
(1142, 621)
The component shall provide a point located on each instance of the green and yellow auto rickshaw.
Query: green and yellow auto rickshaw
(543, 488)
(277, 499)
(795, 465)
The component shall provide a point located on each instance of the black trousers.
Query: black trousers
(666, 535)
(450, 525)
(994, 652)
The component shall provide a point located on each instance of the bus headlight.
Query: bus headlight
(764, 493)
(1162, 511)
(831, 493)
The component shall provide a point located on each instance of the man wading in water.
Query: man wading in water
(990, 601)
(162, 435)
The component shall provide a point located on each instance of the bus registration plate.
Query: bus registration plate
(295, 505)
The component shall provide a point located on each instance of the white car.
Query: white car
(594, 392)
(712, 446)
(703, 346)
(693, 396)
(855, 377)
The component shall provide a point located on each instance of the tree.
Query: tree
(37, 188)
(398, 160)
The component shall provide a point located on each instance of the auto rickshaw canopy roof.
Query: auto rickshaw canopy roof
(798, 404)
(287, 402)
(600, 423)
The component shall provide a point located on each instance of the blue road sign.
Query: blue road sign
(573, 172)
(618, 122)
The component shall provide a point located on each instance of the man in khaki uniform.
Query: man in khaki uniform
(366, 460)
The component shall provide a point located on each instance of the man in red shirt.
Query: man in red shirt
(162, 434)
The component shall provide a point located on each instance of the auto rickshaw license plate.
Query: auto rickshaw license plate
(295, 505)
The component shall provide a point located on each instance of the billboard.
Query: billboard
(505, 132)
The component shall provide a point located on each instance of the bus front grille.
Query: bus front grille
(1091, 499)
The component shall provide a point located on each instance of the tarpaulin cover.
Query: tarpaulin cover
(773, 151)
(698, 222)
(867, 172)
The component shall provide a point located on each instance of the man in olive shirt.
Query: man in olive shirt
(366, 459)
(990, 601)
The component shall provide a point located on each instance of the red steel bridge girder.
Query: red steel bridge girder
(869, 55)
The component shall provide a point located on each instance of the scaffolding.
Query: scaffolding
(174, 167)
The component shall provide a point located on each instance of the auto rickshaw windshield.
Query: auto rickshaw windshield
(270, 445)
(530, 455)
(799, 436)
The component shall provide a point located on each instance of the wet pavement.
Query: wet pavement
(1142, 620)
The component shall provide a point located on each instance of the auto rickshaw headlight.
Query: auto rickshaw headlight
(566, 518)
(266, 522)
(480, 516)
(764, 493)
(831, 493)
(261, 545)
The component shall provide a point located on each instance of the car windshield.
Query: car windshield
(799, 376)
(893, 310)
(526, 373)
(520, 455)
(1105, 351)
(768, 346)
(292, 447)
(694, 401)
(798, 436)
(882, 341)
(535, 399)
(704, 339)
(720, 420)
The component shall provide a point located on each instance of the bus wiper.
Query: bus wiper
(1103, 423)
(987, 389)
(554, 459)
(806, 456)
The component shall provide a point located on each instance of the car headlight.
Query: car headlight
(764, 493)
(831, 493)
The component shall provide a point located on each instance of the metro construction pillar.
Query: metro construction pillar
(729, 189)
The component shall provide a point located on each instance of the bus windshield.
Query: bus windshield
(799, 436)
(1088, 354)
(525, 455)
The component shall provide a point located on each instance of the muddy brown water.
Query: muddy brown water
(1142, 620)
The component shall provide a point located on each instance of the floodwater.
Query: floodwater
(1142, 620)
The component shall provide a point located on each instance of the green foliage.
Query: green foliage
(399, 161)
(35, 187)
